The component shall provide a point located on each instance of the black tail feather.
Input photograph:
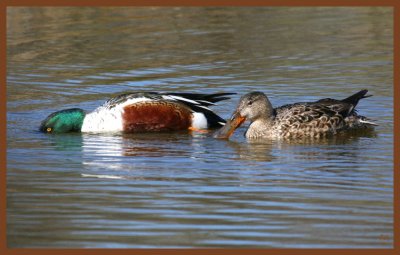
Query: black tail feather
(213, 98)
(214, 121)
(353, 99)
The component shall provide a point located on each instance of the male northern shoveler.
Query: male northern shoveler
(305, 119)
(141, 112)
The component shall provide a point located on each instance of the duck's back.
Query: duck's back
(320, 118)
(307, 120)
(153, 111)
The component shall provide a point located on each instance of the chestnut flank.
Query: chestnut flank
(156, 117)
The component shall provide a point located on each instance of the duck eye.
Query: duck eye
(48, 129)
(250, 103)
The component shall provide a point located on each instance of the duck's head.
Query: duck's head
(252, 106)
(69, 120)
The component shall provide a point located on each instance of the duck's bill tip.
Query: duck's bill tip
(230, 126)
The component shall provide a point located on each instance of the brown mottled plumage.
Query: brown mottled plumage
(306, 119)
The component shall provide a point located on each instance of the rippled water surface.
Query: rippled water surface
(190, 190)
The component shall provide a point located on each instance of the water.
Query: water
(190, 190)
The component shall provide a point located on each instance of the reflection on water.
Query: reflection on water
(168, 145)
(188, 189)
(261, 149)
(253, 151)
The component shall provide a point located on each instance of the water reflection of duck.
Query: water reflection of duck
(254, 151)
(306, 119)
(141, 112)
(269, 150)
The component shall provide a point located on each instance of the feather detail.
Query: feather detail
(110, 116)
(304, 119)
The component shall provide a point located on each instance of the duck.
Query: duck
(315, 119)
(138, 112)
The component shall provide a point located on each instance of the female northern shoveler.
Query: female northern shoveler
(141, 112)
(306, 119)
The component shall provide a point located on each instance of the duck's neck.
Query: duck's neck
(260, 127)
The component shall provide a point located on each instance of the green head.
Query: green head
(69, 120)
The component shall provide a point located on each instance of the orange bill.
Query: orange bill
(230, 126)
